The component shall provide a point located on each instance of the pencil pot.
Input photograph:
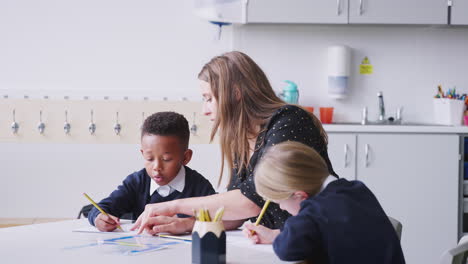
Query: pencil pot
(448, 111)
(208, 243)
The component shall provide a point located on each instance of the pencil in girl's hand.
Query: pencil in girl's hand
(259, 218)
(99, 208)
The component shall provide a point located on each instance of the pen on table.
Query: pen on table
(259, 218)
(176, 237)
(99, 208)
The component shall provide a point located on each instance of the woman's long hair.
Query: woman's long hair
(245, 101)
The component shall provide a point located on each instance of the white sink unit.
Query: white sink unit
(414, 171)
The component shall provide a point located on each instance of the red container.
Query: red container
(326, 115)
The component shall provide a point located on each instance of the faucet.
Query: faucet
(381, 107)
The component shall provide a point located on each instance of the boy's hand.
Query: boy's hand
(106, 223)
(262, 235)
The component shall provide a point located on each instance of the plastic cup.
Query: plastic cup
(309, 108)
(326, 115)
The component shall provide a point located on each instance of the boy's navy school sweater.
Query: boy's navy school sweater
(344, 223)
(133, 194)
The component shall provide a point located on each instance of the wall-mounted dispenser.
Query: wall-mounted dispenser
(339, 65)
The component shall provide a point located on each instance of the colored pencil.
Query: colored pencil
(99, 208)
(259, 218)
(176, 237)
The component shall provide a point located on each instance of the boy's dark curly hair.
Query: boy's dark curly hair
(167, 124)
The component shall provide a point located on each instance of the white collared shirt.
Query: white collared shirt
(177, 184)
(327, 181)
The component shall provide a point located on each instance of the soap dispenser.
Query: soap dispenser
(290, 93)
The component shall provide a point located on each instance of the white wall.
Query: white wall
(409, 62)
(104, 47)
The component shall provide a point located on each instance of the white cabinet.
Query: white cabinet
(459, 12)
(327, 11)
(415, 177)
(342, 153)
(298, 11)
(398, 12)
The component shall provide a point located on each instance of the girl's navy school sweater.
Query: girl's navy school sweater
(344, 223)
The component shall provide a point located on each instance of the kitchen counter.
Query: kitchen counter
(418, 129)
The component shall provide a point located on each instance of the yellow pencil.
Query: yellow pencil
(176, 237)
(259, 218)
(99, 208)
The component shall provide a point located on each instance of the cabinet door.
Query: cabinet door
(415, 179)
(459, 12)
(297, 11)
(342, 153)
(398, 12)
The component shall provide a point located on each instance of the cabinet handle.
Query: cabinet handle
(345, 155)
(360, 7)
(338, 7)
(366, 151)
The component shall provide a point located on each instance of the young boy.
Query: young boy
(164, 146)
(334, 220)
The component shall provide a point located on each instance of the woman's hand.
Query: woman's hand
(106, 223)
(145, 222)
(169, 224)
(262, 235)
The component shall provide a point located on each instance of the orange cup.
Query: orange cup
(309, 108)
(326, 115)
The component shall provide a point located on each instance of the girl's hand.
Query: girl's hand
(106, 223)
(262, 235)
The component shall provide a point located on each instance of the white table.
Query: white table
(47, 243)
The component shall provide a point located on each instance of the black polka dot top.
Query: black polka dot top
(289, 123)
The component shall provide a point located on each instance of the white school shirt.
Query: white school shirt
(177, 184)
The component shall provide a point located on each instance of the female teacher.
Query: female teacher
(249, 118)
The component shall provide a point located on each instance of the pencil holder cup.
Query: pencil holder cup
(208, 243)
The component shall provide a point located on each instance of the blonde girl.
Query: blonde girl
(334, 220)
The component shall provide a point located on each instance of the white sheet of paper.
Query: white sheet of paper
(91, 229)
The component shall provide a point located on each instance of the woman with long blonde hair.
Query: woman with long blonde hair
(333, 220)
(249, 118)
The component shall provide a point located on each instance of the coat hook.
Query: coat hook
(92, 125)
(14, 125)
(117, 126)
(66, 126)
(41, 125)
(194, 128)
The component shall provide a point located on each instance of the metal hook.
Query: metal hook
(66, 126)
(117, 126)
(14, 125)
(194, 128)
(92, 126)
(41, 125)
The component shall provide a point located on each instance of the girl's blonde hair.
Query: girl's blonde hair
(246, 101)
(288, 167)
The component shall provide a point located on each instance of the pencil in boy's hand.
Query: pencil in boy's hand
(99, 208)
(259, 218)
